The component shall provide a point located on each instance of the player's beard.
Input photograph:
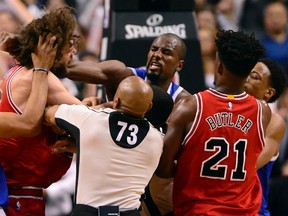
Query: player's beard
(153, 77)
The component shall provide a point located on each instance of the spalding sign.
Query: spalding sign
(150, 25)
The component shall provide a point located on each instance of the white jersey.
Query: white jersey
(117, 155)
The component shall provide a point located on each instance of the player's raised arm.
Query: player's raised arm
(28, 123)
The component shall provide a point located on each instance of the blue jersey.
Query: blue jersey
(3, 189)
(264, 176)
(173, 90)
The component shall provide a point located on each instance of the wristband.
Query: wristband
(41, 69)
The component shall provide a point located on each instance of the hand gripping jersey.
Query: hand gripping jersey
(216, 171)
(28, 162)
(173, 90)
(117, 155)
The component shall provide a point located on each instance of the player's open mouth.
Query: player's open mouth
(154, 66)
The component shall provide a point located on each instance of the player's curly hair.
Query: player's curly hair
(60, 22)
(238, 51)
(278, 78)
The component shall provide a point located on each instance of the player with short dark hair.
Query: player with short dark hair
(216, 137)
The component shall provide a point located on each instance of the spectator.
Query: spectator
(208, 53)
(206, 19)
(276, 35)
(228, 13)
(252, 16)
(10, 23)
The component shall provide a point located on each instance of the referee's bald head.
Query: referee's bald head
(133, 96)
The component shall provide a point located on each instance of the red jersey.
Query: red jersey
(216, 171)
(28, 162)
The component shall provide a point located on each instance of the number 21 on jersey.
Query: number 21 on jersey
(215, 167)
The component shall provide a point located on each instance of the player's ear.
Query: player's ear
(149, 108)
(269, 92)
(219, 68)
(180, 65)
(116, 103)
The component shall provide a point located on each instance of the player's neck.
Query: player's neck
(229, 90)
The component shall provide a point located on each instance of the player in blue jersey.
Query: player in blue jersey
(164, 59)
(267, 81)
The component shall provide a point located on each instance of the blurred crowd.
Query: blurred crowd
(266, 18)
